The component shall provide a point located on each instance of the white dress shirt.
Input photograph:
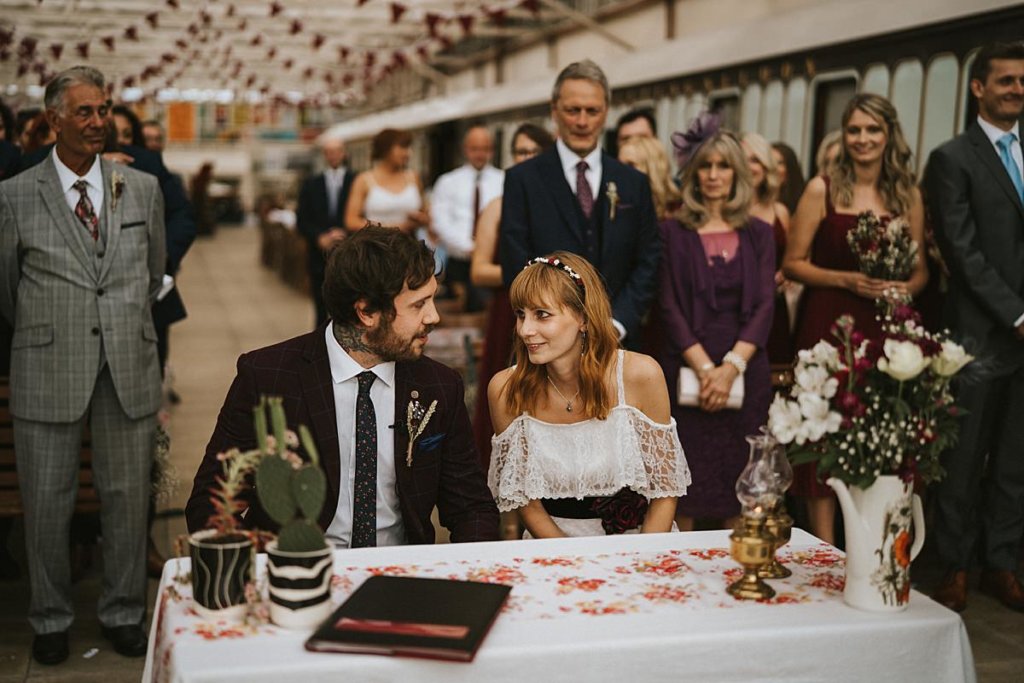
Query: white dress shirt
(452, 205)
(569, 161)
(344, 373)
(334, 179)
(993, 133)
(68, 178)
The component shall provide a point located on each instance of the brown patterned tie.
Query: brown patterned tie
(584, 194)
(86, 214)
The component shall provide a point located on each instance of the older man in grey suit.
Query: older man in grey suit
(81, 260)
(976, 194)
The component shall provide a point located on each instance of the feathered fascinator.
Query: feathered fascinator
(685, 143)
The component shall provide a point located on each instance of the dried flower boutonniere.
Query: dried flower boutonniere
(416, 420)
(613, 199)
(116, 188)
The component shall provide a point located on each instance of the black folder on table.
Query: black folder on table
(400, 615)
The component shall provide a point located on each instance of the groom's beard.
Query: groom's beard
(387, 345)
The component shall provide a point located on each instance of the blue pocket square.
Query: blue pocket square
(431, 442)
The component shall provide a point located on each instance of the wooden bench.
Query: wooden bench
(10, 497)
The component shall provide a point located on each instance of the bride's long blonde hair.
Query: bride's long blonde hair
(546, 285)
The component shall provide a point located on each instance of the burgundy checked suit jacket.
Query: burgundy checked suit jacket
(445, 473)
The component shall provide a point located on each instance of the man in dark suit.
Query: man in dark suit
(320, 216)
(352, 382)
(976, 199)
(576, 198)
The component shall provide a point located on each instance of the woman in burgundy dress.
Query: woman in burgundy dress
(764, 177)
(716, 296)
(527, 141)
(873, 173)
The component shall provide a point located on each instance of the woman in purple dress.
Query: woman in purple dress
(717, 290)
(874, 173)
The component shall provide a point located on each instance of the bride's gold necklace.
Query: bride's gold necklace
(568, 402)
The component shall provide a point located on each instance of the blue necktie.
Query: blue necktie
(364, 505)
(1004, 144)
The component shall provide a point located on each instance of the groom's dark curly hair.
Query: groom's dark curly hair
(373, 265)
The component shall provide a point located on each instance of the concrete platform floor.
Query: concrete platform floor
(235, 305)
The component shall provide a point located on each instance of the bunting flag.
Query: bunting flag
(153, 19)
(397, 10)
(276, 8)
(131, 33)
(466, 21)
(243, 24)
(83, 50)
(432, 20)
(295, 28)
(56, 49)
(318, 40)
(172, 4)
(108, 42)
(272, 52)
(343, 53)
(230, 11)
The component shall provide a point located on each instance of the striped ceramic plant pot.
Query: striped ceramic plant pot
(221, 566)
(299, 586)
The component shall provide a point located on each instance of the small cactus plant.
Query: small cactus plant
(291, 491)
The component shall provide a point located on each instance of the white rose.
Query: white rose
(784, 420)
(903, 360)
(951, 360)
(826, 354)
(818, 419)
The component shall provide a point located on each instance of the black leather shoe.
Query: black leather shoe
(50, 648)
(128, 641)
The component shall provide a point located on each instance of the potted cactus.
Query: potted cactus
(292, 492)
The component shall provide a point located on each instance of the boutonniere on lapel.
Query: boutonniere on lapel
(116, 188)
(612, 191)
(416, 419)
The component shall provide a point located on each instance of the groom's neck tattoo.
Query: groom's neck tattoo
(350, 338)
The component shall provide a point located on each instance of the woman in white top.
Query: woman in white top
(585, 443)
(389, 193)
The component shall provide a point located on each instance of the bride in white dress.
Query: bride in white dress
(584, 439)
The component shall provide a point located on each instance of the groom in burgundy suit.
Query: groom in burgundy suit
(352, 382)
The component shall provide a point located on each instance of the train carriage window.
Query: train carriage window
(968, 109)
(793, 116)
(906, 97)
(750, 112)
(727, 104)
(771, 111)
(694, 106)
(940, 96)
(831, 95)
(876, 80)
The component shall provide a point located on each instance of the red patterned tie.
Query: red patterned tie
(85, 212)
(584, 194)
(364, 504)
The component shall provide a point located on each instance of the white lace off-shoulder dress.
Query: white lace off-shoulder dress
(536, 460)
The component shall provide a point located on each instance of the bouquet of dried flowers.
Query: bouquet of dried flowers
(884, 249)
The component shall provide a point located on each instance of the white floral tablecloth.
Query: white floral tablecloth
(607, 608)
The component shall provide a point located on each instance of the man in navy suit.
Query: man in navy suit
(352, 382)
(575, 197)
(320, 216)
(975, 190)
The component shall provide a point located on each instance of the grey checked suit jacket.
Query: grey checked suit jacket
(73, 303)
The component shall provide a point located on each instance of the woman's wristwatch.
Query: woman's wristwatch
(736, 360)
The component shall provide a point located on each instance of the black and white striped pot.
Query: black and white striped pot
(221, 566)
(299, 586)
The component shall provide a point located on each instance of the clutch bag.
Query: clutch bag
(688, 390)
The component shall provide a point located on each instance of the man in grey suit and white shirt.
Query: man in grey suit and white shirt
(81, 261)
(975, 190)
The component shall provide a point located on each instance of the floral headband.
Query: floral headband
(556, 263)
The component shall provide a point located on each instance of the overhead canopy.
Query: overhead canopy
(741, 42)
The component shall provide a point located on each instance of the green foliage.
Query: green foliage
(291, 491)
(300, 535)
